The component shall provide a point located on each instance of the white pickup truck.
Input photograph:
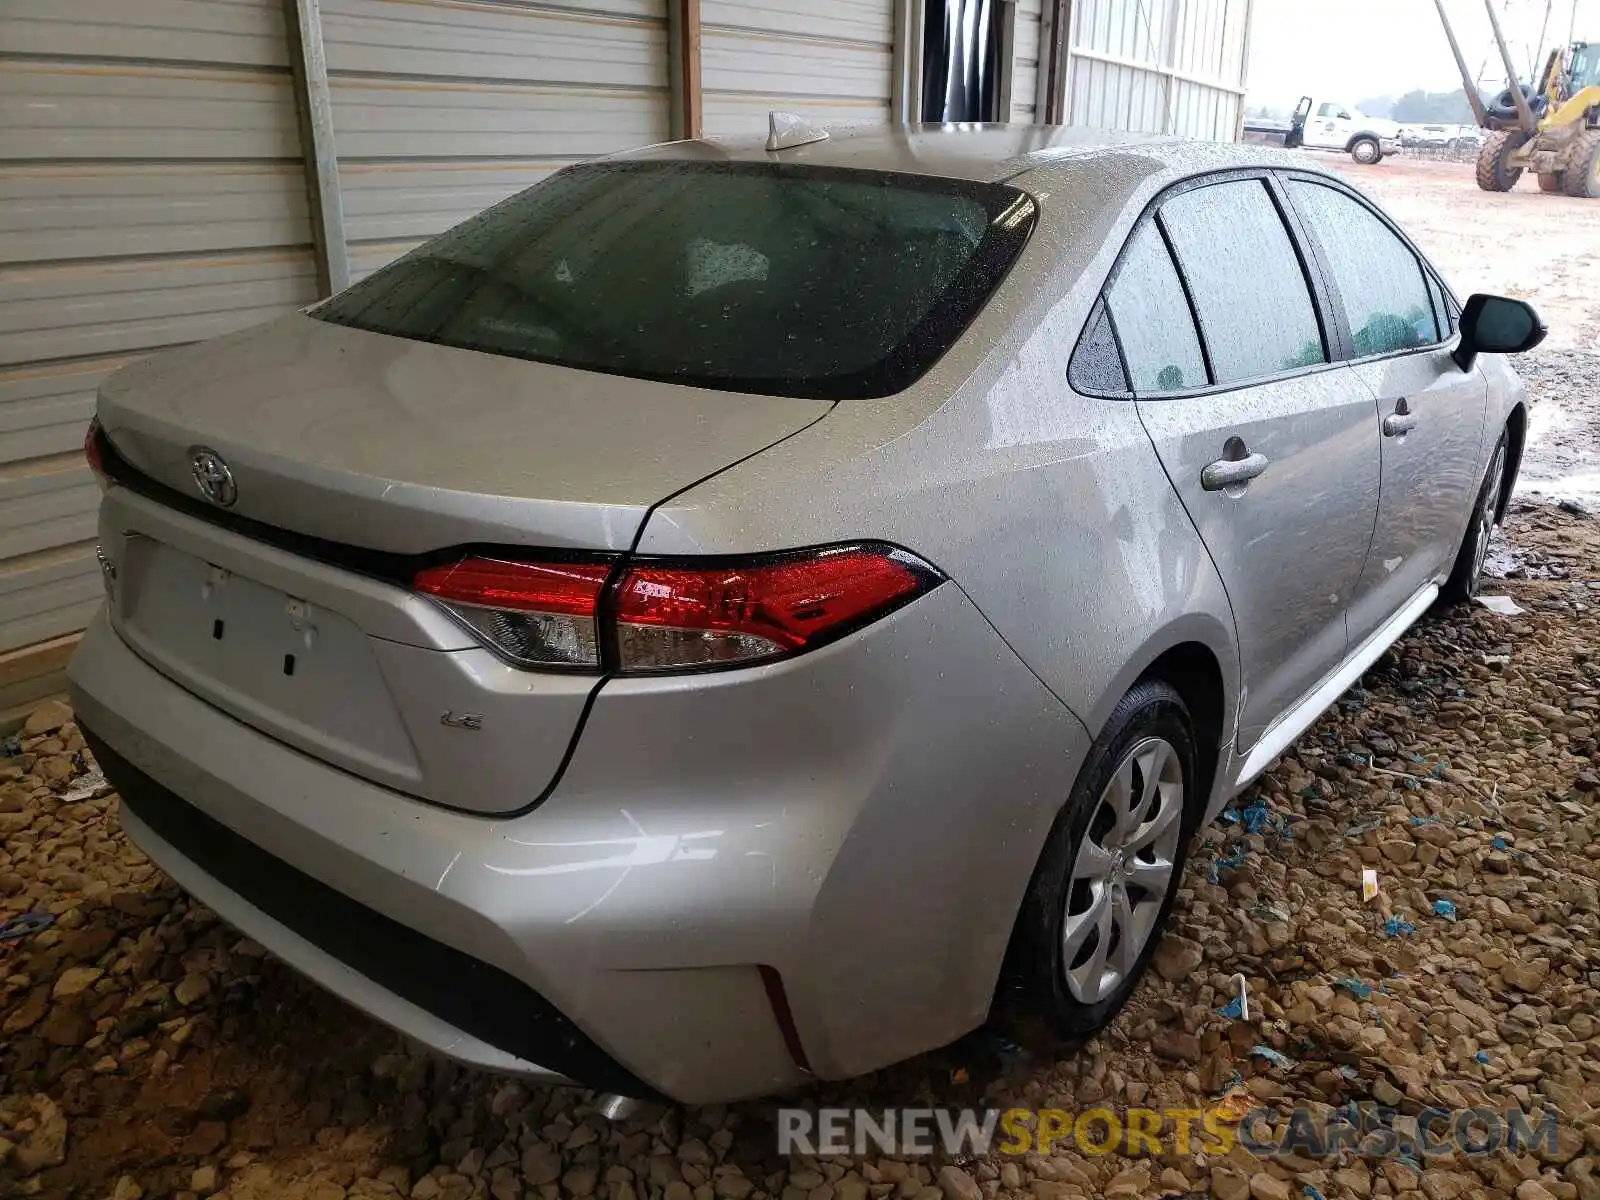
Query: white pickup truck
(1334, 125)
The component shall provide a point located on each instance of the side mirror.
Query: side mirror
(1496, 325)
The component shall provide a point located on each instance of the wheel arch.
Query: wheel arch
(1198, 657)
(1193, 670)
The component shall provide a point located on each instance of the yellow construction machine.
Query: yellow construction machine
(1552, 129)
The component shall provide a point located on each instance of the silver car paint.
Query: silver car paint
(863, 818)
(908, 772)
(1430, 475)
(405, 446)
(1289, 544)
(416, 664)
(1027, 494)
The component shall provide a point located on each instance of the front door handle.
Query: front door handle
(1231, 472)
(1400, 422)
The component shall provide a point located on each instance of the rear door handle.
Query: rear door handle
(1231, 472)
(1399, 423)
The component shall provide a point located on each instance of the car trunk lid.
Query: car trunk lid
(398, 445)
(357, 456)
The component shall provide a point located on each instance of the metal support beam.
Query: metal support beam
(303, 23)
(1244, 66)
(1468, 84)
(1006, 57)
(683, 54)
(908, 22)
(1051, 105)
(1525, 116)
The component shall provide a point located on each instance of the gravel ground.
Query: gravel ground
(1518, 243)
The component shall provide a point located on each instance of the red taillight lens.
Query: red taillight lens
(536, 614)
(91, 451)
(675, 617)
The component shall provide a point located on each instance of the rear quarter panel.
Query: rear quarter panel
(1048, 509)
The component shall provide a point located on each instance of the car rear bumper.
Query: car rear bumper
(859, 823)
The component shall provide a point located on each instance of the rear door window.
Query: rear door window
(1249, 289)
(759, 277)
(1152, 319)
(1381, 283)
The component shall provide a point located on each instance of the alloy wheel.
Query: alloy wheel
(1122, 870)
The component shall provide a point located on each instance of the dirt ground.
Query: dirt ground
(1520, 243)
(1523, 243)
(148, 1051)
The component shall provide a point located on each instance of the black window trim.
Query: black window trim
(1012, 215)
(1427, 269)
(1329, 320)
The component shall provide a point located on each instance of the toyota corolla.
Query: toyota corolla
(703, 623)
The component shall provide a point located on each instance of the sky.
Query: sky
(1352, 49)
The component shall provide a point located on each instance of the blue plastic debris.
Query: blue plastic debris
(1226, 862)
(1421, 821)
(1395, 927)
(1482, 1056)
(1282, 1061)
(1230, 816)
(19, 927)
(1255, 816)
(1233, 1080)
(1499, 843)
(1311, 1193)
(1233, 1010)
(1361, 991)
(1445, 909)
(1437, 770)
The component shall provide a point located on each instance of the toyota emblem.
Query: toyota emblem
(212, 477)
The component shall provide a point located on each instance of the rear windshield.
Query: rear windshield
(754, 277)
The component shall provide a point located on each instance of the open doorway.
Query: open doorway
(961, 60)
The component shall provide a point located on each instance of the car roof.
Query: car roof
(980, 152)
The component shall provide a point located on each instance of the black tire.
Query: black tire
(1495, 172)
(1366, 151)
(1151, 712)
(1504, 107)
(1581, 179)
(1551, 181)
(1467, 574)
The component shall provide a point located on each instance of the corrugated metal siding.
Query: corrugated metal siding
(1170, 66)
(828, 60)
(442, 107)
(151, 193)
(1025, 58)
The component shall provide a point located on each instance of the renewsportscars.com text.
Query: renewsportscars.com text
(1367, 1130)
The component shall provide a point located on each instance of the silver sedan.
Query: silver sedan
(706, 622)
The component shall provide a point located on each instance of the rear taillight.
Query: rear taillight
(669, 618)
(536, 614)
(679, 616)
(91, 452)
